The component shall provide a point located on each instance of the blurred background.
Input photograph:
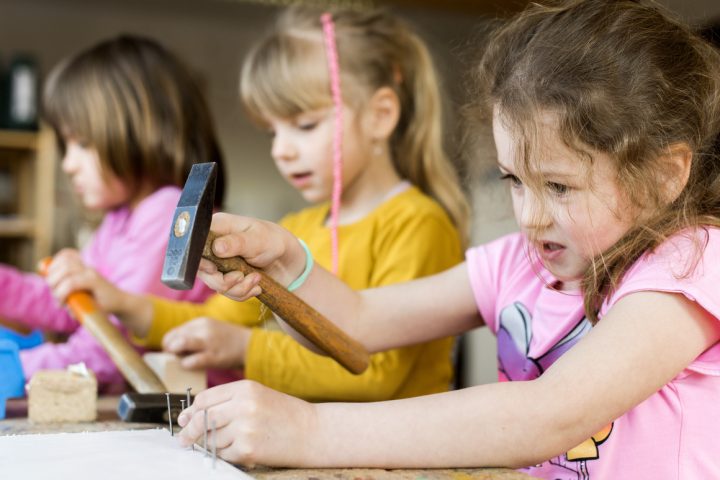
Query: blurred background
(38, 213)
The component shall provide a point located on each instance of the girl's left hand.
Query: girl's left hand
(254, 425)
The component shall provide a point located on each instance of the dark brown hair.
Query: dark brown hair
(285, 74)
(139, 107)
(622, 78)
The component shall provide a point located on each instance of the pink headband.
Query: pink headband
(334, 70)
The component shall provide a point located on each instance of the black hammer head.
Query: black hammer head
(190, 227)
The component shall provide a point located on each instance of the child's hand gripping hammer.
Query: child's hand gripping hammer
(190, 239)
(126, 359)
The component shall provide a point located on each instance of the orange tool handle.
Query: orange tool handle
(126, 359)
(81, 303)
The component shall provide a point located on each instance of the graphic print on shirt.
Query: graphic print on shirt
(515, 363)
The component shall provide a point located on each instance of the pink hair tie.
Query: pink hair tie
(334, 70)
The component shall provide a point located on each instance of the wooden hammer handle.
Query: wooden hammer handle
(299, 315)
(126, 359)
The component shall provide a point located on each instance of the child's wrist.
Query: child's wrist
(136, 313)
(308, 266)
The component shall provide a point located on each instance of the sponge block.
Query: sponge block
(62, 396)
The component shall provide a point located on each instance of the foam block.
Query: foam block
(62, 396)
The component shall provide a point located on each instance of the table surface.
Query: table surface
(16, 423)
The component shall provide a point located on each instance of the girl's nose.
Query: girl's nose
(67, 164)
(282, 148)
(534, 212)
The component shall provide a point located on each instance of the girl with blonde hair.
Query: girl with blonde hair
(352, 102)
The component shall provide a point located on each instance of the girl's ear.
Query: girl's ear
(678, 161)
(382, 113)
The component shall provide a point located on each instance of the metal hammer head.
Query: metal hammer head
(190, 227)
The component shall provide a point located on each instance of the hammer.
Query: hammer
(191, 240)
(126, 359)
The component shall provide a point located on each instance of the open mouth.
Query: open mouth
(551, 250)
(301, 179)
(551, 247)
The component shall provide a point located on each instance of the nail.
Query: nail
(187, 391)
(214, 445)
(205, 434)
(167, 395)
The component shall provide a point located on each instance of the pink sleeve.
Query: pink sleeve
(26, 298)
(489, 267)
(670, 269)
(480, 282)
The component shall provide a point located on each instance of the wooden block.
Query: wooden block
(176, 378)
(62, 396)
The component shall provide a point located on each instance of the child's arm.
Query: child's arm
(641, 344)
(27, 300)
(382, 318)
(147, 317)
(412, 246)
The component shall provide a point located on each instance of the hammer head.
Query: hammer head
(190, 227)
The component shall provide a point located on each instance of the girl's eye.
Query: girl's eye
(558, 188)
(514, 181)
(307, 125)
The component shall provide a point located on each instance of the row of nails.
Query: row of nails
(182, 405)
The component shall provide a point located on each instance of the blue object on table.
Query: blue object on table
(12, 379)
(32, 339)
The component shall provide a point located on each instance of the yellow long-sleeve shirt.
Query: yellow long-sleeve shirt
(408, 236)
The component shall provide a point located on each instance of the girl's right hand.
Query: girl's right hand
(253, 424)
(262, 244)
(68, 273)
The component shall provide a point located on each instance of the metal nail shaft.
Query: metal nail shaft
(192, 447)
(167, 395)
(214, 444)
(205, 434)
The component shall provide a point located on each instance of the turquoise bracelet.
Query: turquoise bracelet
(308, 268)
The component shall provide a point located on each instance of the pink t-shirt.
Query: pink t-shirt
(672, 434)
(128, 249)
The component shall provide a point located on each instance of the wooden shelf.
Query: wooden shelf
(16, 227)
(19, 139)
(26, 226)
